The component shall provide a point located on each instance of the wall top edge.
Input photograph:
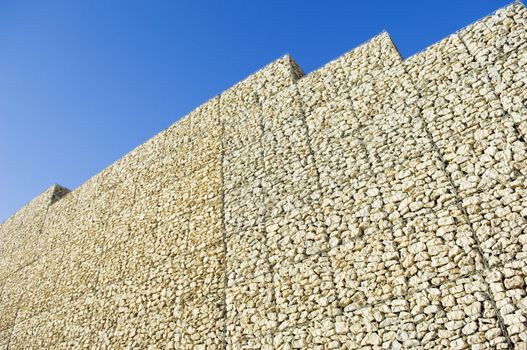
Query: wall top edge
(284, 70)
(47, 197)
(509, 7)
(378, 39)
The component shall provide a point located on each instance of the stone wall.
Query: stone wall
(374, 203)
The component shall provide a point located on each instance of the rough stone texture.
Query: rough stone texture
(374, 203)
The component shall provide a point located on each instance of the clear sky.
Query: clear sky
(84, 82)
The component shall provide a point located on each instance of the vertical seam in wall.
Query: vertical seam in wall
(362, 143)
(443, 168)
(325, 252)
(186, 222)
(187, 215)
(223, 226)
(265, 215)
(490, 293)
(57, 241)
(40, 232)
(363, 237)
(308, 141)
(459, 204)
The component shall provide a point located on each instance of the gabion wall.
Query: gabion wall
(374, 203)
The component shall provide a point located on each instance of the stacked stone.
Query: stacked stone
(21, 238)
(311, 287)
(22, 243)
(203, 290)
(55, 311)
(250, 293)
(294, 225)
(373, 203)
(472, 120)
(498, 44)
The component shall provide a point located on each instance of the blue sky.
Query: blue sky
(84, 82)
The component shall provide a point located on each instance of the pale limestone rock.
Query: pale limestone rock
(367, 190)
(514, 282)
(341, 327)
